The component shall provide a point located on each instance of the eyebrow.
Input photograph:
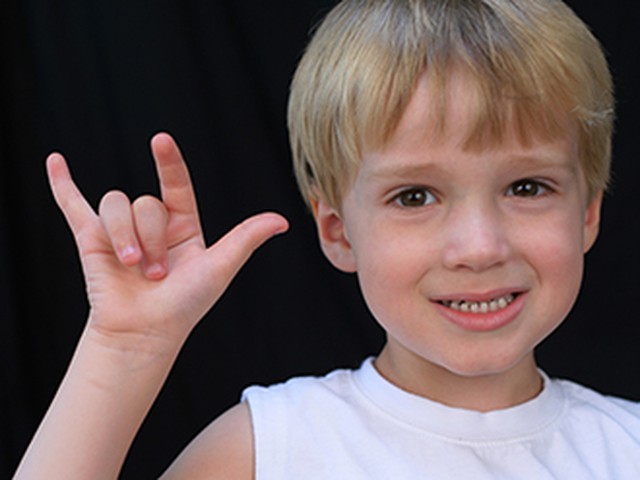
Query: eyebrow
(411, 170)
(405, 171)
(545, 160)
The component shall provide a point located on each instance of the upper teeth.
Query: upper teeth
(480, 307)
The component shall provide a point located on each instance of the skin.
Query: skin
(427, 220)
(424, 221)
(150, 279)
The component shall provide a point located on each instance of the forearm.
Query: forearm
(99, 407)
(147, 269)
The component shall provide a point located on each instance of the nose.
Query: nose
(476, 236)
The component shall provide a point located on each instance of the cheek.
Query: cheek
(391, 267)
(560, 240)
(391, 256)
(555, 253)
(555, 236)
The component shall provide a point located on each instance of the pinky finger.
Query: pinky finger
(72, 203)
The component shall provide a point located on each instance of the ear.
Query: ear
(592, 221)
(332, 235)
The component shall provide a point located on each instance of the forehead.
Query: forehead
(442, 118)
(455, 110)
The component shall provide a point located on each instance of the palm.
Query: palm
(125, 295)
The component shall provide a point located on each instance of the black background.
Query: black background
(95, 80)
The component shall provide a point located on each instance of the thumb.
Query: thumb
(232, 251)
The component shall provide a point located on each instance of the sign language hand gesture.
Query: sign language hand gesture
(150, 278)
(148, 272)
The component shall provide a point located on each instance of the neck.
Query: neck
(482, 392)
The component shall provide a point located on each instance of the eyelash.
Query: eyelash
(422, 196)
(540, 188)
(416, 197)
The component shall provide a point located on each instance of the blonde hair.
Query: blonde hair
(534, 61)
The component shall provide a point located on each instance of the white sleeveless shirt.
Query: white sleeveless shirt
(356, 425)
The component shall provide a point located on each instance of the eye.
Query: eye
(527, 188)
(414, 197)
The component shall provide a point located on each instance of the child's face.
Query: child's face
(468, 259)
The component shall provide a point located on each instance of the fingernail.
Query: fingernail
(155, 270)
(127, 252)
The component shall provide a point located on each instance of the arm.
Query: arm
(224, 450)
(150, 278)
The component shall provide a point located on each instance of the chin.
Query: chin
(471, 365)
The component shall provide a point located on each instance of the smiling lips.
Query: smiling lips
(493, 305)
(483, 315)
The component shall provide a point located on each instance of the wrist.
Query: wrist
(135, 349)
(109, 387)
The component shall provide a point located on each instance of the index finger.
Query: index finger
(175, 182)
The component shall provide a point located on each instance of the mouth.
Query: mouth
(491, 305)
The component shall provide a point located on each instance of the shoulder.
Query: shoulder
(223, 450)
(302, 394)
(226, 448)
(335, 382)
(301, 427)
(612, 414)
(580, 395)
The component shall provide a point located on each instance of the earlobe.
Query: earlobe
(592, 221)
(333, 236)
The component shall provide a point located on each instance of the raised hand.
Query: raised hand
(147, 268)
(150, 278)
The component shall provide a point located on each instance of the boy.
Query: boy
(454, 154)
